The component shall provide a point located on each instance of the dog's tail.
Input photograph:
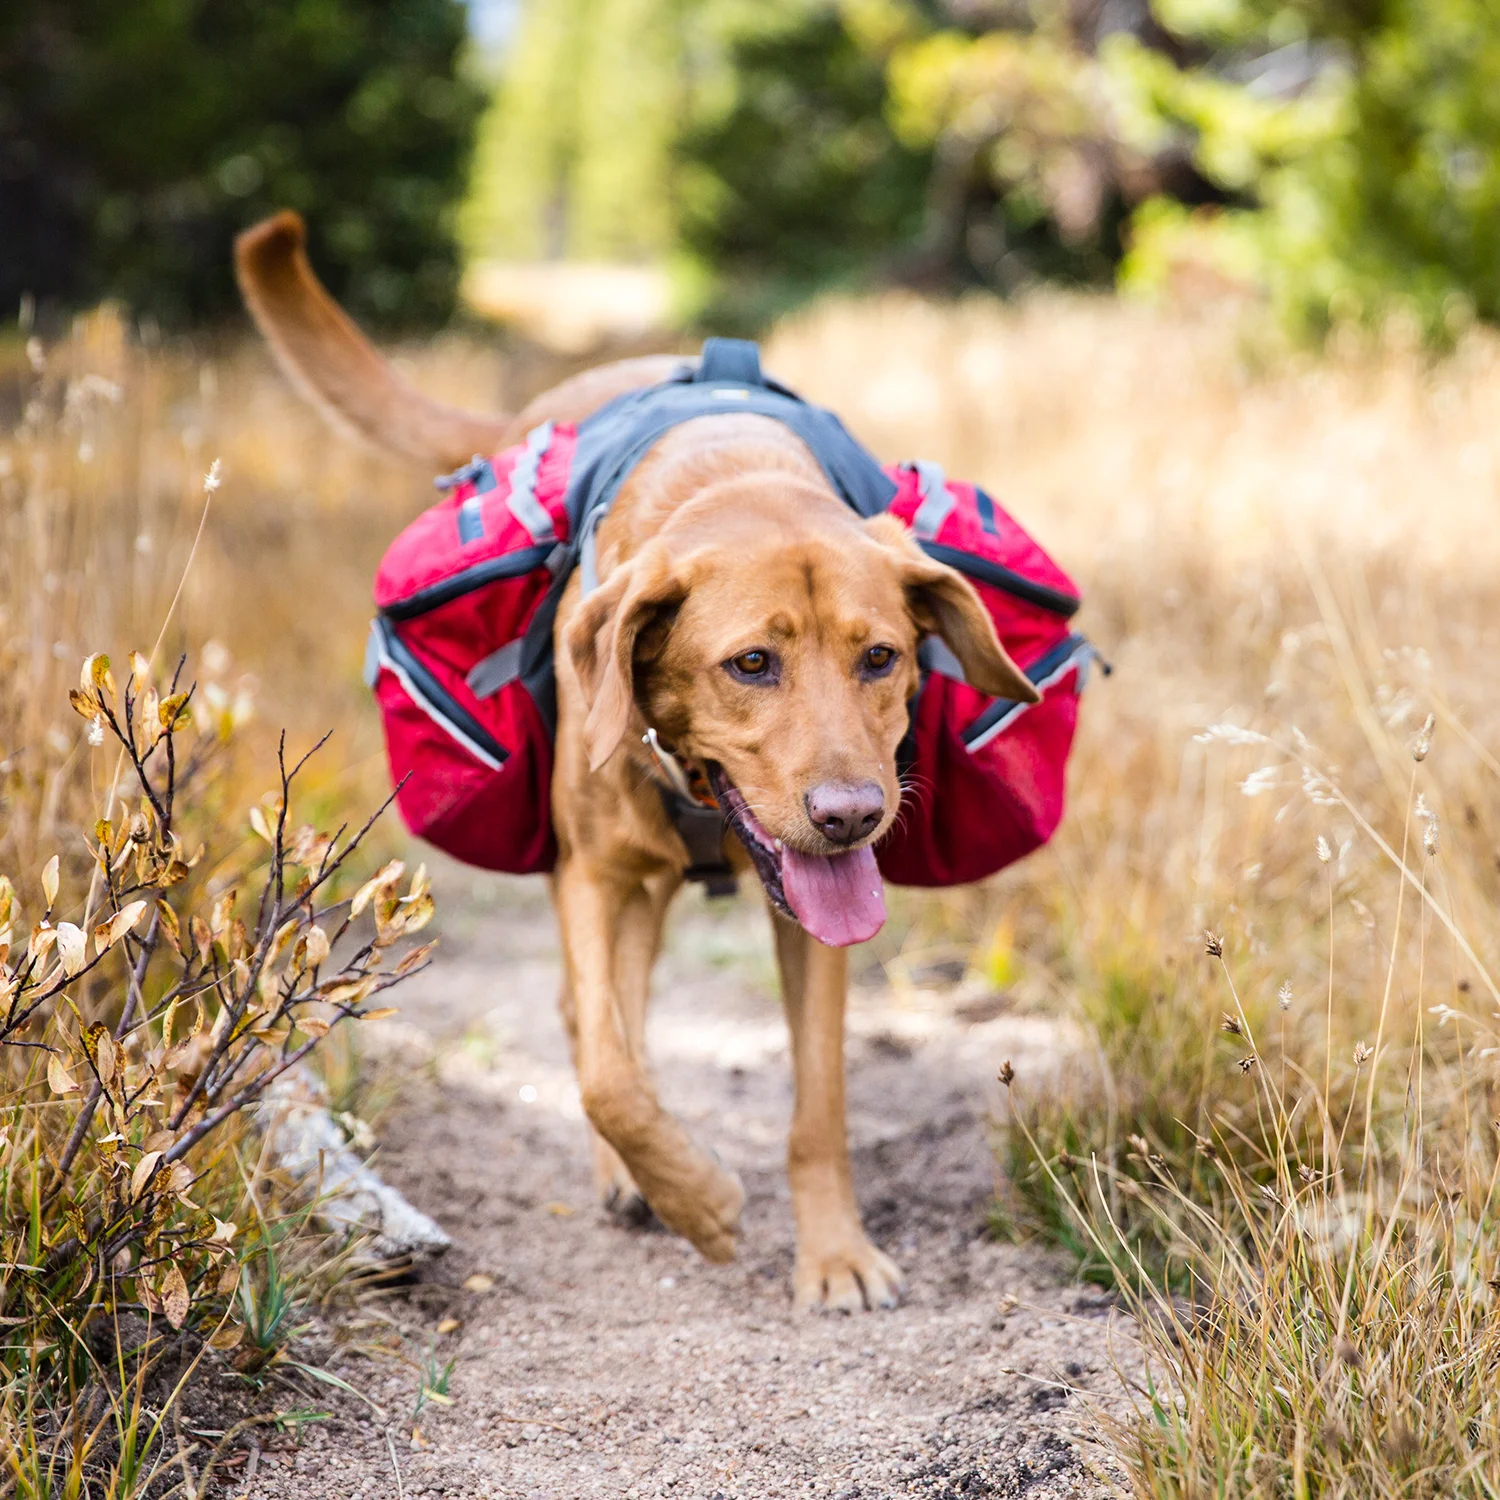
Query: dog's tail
(335, 366)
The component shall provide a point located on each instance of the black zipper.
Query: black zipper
(1000, 577)
(511, 565)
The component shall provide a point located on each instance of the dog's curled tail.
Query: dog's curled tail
(335, 366)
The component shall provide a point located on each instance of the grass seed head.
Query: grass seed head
(1325, 850)
(1231, 1024)
(1422, 745)
(1213, 944)
(1284, 995)
(1007, 1073)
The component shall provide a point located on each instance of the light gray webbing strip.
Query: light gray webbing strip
(524, 505)
(490, 673)
(936, 500)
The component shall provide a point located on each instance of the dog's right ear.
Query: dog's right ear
(601, 642)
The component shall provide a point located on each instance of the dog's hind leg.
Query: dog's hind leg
(610, 932)
(837, 1266)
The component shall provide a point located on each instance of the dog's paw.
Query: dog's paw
(708, 1216)
(851, 1277)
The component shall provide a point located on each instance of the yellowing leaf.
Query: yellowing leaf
(317, 946)
(449, 1325)
(259, 824)
(174, 1297)
(142, 1173)
(59, 1080)
(127, 919)
(349, 993)
(385, 877)
(479, 1282)
(100, 676)
(313, 1026)
(218, 921)
(43, 938)
(227, 1337)
(229, 1279)
(309, 847)
(85, 705)
(415, 956)
(49, 881)
(224, 1230)
(174, 712)
(383, 1013)
(150, 717)
(170, 925)
(140, 669)
(103, 1052)
(71, 945)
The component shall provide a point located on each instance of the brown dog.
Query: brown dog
(769, 636)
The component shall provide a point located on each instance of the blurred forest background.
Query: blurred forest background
(1339, 159)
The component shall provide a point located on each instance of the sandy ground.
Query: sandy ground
(594, 1360)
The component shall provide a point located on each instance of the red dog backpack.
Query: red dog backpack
(460, 654)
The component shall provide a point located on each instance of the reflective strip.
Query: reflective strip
(372, 656)
(1075, 659)
(524, 505)
(936, 504)
(383, 658)
(491, 673)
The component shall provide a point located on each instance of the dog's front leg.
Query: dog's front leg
(689, 1192)
(837, 1266)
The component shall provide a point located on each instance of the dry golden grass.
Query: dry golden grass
(1290, 568)
(1298, 548)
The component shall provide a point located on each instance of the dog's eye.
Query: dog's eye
(878, 660)
(754, 665)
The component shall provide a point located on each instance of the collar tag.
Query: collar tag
(669, 765)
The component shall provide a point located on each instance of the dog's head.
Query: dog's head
(771, 639)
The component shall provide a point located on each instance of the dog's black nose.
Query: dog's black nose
(845, 812)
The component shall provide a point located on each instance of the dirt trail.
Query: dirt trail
(609, 1362)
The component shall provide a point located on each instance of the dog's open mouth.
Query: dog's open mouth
(838, 898)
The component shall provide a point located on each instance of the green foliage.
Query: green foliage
(791, 176)
(136, 139)
(572, 158)
(1374, 185)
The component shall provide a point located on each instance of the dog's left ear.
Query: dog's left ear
(943, 602)
(601, 640)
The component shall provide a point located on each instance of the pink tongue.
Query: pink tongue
(838, 898)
